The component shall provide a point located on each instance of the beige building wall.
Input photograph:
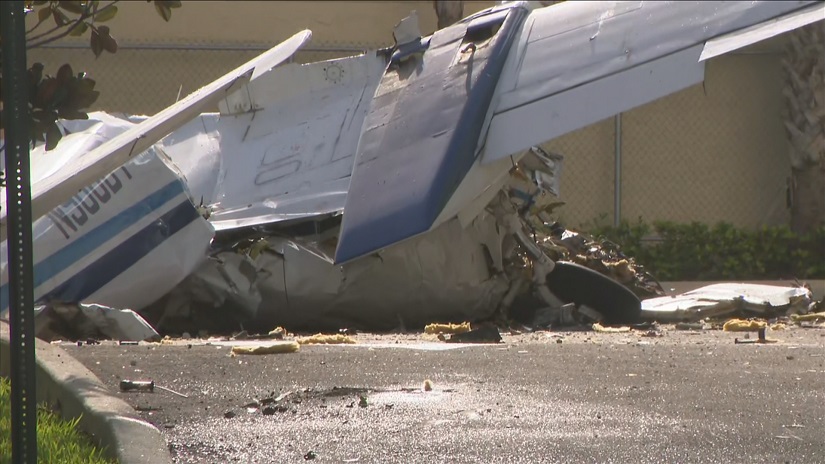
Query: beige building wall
(709, 153)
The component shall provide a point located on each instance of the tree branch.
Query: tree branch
(38, 22)
(68, 31)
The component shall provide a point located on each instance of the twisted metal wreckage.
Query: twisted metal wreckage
(396, 187)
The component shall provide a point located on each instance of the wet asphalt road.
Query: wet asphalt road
(684, 397)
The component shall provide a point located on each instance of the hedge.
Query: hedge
(697, 251)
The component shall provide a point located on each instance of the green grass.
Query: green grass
(58, 441)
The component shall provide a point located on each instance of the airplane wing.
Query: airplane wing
(577, 63)
(52, 191)
(444, 129)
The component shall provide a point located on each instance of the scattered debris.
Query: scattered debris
(277, 348)
(740, 325)
(137, 385)
(86, 321)
(728, 299)
(271, 410)
(278, 333)
(812, 317)
(322, 339)
(146, 386)
(689, 326)
(603, 329)
(437, 328)
(548, 316)
(487, 334)
(602, 256)
(652, 333)
(761, 339)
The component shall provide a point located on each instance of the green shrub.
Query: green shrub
(696, 251)
(58, 441)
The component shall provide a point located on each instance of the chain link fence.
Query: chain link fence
(712, 152)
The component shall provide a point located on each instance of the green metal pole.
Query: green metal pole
(19, 233)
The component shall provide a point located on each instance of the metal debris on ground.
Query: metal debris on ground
(488, 334)
(729, 300)
(85, 321)
(437, 328)
(813, 317)
(689, 326)
(651, 333)
(278, 333)
(277, 348)
(761, 339)
(145, 386)
(600, 255)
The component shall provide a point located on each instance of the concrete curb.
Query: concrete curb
(64, 381)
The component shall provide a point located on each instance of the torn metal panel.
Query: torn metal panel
(727, 299)
(82, 322)
(292, 156)
(420, 137)
(54, 190)
(574, 62)
(105, 243)
(444, 275)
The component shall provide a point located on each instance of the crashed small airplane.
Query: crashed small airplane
(392, 188)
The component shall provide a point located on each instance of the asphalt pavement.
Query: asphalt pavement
(686, 397)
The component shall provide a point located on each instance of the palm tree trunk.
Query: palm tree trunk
(804, 92)
(448, 12)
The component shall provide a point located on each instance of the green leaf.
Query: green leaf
(95, 44)
(106, 40)
(43, 14)
(64, 73)
(79, 30)
(46, 92)
(53, 136)
(106, 14)
(60, 17)
(164, 11)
